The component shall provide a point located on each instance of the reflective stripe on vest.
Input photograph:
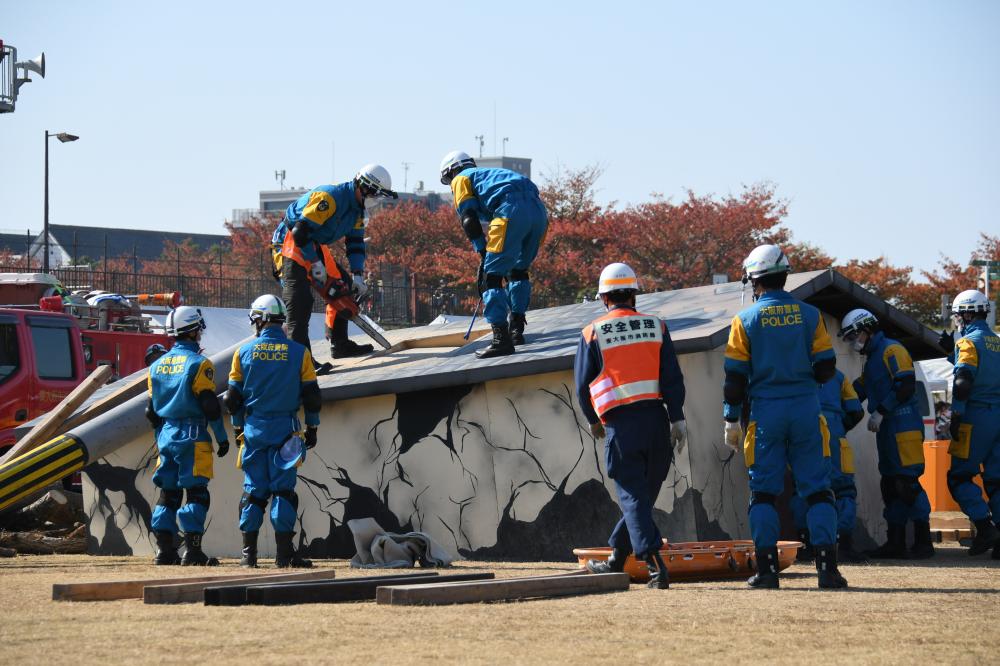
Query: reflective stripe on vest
(630, 344)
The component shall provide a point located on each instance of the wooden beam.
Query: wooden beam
(49, 426)
(236, 595)
(186, 593)
(354, 589)
(106, 404)
(111, 590)
(507, 589)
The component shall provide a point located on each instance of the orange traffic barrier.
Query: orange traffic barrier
(699, 560)
(937, 462)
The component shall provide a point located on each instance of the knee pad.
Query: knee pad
(494, 281)
(199, 495)
(249, 499)
(955, 480)
(907, 489)
(170, 498)
(762, 498)
(518, 274)
(288, 495)
(888, 488)
(992, 487)
(845, 493)
(821, 497)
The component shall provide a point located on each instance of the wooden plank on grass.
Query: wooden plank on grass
(236, 595)
(111, 590)
(186, 593)
(507, 589)
(354, 589)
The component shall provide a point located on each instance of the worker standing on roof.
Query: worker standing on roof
(271, 377)
(778, 351)
(975, 420)
(319, 217)
(842, 410)
(888, 383)
(626, 370)
(510, 204)
(182, 407)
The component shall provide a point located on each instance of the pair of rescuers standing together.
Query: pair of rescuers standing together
(265, 420)
(626, 370)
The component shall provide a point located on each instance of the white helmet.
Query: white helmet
(184, 320)
(267, 309)
(765, 260)
(970, 300)
(855, 322)
(617, 277)
(375, 181)
(454, 162)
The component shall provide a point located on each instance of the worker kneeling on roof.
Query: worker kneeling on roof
(778, 351)
(510, 204)
(626, 370)
(182, 407)
(271, 377)
(319, 217)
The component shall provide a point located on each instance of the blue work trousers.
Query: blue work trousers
(900, 445)
(512, 243)
(185, 461)
(977, 451)
(264, 474)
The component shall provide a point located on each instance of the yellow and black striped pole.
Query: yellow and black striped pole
(38, 468)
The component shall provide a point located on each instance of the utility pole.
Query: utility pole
(481, 139)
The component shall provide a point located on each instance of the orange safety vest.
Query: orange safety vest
(630, 344)
(290, 250)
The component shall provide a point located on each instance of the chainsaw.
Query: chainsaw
(337, 293)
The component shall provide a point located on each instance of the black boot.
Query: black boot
(846, 552)
(659, 577)
(193, 554)
(286, 556)
(805, 553)
(322, 368)
(166, 552)
(501, 344)
(517, 322)
(826, 567)
(614, 564)
(922, 547)
(249, 558)
(996, 551)
(894, 547)
(348, 348)
(987, 536)
(766, 577)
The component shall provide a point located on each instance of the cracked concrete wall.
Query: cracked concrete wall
(501, 470)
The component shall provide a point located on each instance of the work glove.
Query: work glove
(310, 438)
(597, 430)
(318, 272)
(223, 448)
(678, 435)
(947, 341)
(358, 288)
(956, 421)
(734, 435)
(875, 421)
(481, 274)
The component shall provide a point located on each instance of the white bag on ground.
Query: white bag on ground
(378, 549)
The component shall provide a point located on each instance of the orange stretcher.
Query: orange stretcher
(699, 560)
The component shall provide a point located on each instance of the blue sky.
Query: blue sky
(877, 120)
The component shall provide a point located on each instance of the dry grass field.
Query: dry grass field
(941, 611)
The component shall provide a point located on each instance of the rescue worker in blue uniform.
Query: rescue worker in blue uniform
(271, 377)
(778, 351)
(319, 217)
(888, 384)
(182, 407)
(509, 203)
(626, 370)
(975, 420)
(842, 410)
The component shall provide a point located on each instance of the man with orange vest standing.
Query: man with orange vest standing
(626, 371)
(319, 217)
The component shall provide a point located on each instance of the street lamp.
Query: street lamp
(64, 138)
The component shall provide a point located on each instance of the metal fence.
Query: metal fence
(395, 298)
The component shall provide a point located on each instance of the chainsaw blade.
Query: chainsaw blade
(371, 329)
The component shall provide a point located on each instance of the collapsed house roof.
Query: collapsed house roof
(436, 355)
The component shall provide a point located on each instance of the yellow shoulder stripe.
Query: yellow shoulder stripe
(966, 353)
(462, 188)
(320, 208)
(236, 370)
(738, 347)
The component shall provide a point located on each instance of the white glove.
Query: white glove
(597, 430)
(359, 288)
(874, 421)
(734, 435)
(678, 435)
(318, 272)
